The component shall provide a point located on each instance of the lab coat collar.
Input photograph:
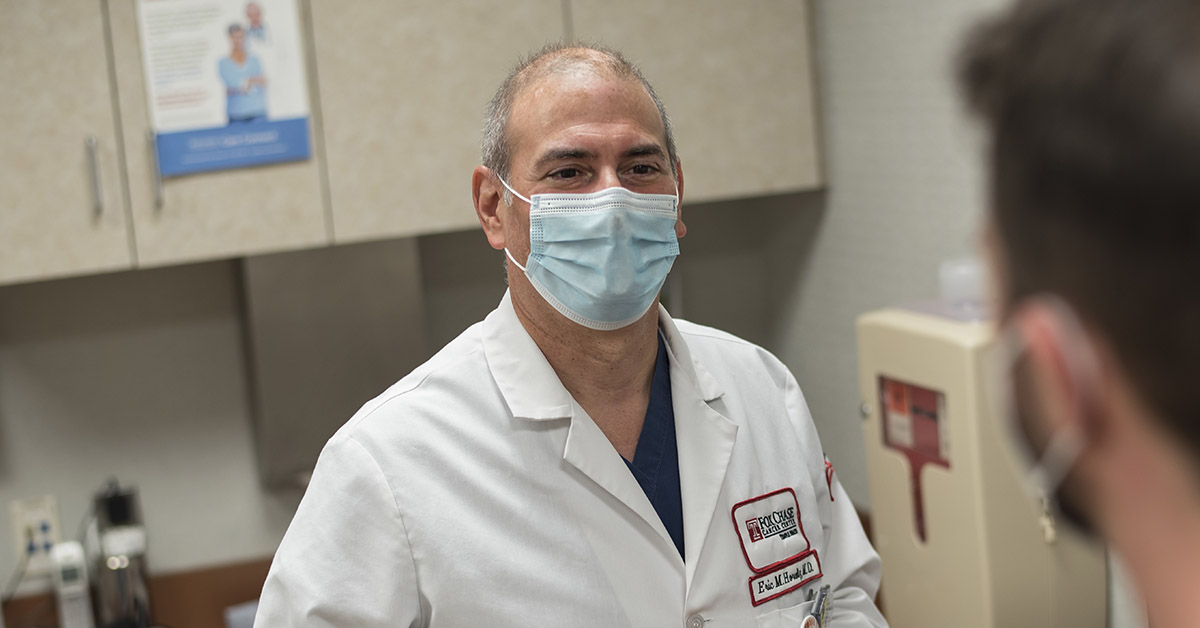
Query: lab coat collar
(705, 437)
(709, 389)
(532, 388)
(529, 384)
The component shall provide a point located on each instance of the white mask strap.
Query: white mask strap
(514, 260)
(1066, 445)
(518, 194)
(1060, 455)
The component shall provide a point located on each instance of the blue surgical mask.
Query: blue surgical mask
(600, 259)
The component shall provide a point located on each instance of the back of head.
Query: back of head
(1093, 108)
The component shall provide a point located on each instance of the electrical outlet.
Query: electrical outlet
(35, 531)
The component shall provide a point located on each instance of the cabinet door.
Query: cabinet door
(737, 81)
(324, 338)
(210, 215)
(61, 210)
(404, 86)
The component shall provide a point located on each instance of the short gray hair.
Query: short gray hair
(556, 58)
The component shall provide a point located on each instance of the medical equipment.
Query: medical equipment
(962, 541)
(820, 609)
(122, 598)
(71, 585)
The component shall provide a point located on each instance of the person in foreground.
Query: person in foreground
(578, 458)
(1093, 113)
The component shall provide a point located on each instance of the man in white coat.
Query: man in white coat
(578, 458)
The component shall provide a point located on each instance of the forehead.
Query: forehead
(582, 105)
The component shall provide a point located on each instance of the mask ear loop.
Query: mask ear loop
(1050, 470)
(513, 259)
(1056, 462)
(1066, 446)
(518, 195)
(1011, 348)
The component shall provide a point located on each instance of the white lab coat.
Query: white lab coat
(476, 491)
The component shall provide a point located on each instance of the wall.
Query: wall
(904, 193)
(138, 376)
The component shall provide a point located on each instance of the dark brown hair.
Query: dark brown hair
(1093, 109)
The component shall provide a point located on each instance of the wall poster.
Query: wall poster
(226, 83)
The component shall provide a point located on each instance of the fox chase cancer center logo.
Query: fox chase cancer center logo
(780, 523)
(770, 529)
(771, 533)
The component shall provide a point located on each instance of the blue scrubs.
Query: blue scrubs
(656, 461)
(248, 105)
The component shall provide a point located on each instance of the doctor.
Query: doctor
(578, 458)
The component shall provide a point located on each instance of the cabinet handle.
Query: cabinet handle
(158, 182)
(94, 166)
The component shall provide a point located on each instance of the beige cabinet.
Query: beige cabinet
(396, 121)
(403, 87)
(737, 81)
(210, 215)
(61, 205)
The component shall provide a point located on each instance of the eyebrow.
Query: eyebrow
(558, 154)
(643, 150)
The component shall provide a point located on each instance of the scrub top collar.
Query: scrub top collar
(529, 384)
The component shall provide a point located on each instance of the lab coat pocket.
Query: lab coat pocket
(791, 617)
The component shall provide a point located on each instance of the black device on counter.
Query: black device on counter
(122, 599)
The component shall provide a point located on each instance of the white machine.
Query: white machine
(962, 541)
(71, 585)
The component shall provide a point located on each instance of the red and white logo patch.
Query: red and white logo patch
(770, 530)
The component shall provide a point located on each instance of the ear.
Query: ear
(1064, 366)
(488, 199)
(680, 228)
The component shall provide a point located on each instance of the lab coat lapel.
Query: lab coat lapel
(590, 451)
(533, 391)
(528, 383)
(705, 438)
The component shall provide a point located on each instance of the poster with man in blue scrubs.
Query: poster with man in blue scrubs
(226, 83)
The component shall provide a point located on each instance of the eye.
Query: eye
(643, 169)
(565, 173)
